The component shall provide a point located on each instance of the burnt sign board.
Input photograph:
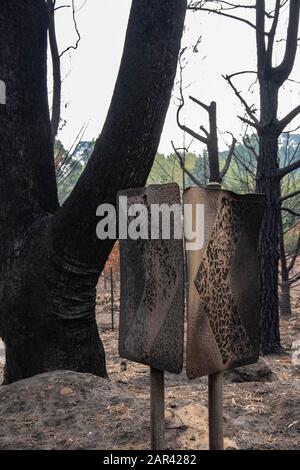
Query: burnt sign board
(152, 281)
(223, 300)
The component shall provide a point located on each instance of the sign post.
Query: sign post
(157, 411)
(215, 411)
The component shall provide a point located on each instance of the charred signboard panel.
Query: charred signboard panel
(152, 285)
(223, 312)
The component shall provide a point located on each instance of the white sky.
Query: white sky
(90, 72)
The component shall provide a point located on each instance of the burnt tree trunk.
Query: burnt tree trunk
(50, 257)
(285, 298)
(268, 176)
(267, 182)
(212, 146)
(285, 286)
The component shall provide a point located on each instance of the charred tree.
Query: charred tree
(210, 139)
(268, 175)
(50, 256)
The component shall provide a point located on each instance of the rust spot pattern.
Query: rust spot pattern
(152, 291)
(219, 304)
(223, 316)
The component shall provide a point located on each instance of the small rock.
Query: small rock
(258, 372)
(66, 391)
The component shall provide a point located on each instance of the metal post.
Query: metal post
(112, 299)
(215, 394)
(157, 400)
(215, 411)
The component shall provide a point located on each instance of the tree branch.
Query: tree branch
(221, 13)
(291, 211)
(242, 100)
(292, 227)
(286, 170)
(250, 147)
(204, 131)
(183, 127)
(229, 157)
(288, 118)
(189, 131)
(246, 121)
(282, 71)
(77, 32)
(260, 37)
(61, 7)
(203, 105)
(272, 34)
(243, 72)
(294, 279)
(228, 5)
(246, 167)
(290, 195)
(186, 171)
(56, 72)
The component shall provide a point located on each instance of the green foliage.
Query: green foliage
(70, 166)
(166, 169)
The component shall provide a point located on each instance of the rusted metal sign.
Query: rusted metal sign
(223, 301)
(152, 286)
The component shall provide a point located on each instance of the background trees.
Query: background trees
(268, 127)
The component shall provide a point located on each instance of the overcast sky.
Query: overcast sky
(90, 72)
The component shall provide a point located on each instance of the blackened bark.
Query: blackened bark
(212, 146)
(285, 286)
(56, 99)
(50, 257)
(34, 287)
(27, 178)
(285, 299)
(268, 182)
(268, 175)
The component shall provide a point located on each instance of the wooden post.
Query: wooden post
(157, 400)
(112, 299)
(215, 411)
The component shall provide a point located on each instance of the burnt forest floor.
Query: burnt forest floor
(261, 402)
(65, 410)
